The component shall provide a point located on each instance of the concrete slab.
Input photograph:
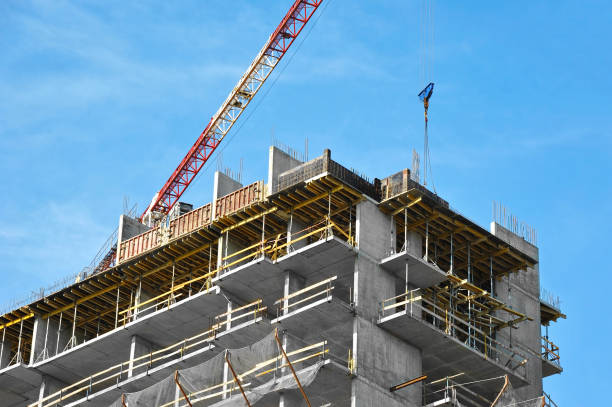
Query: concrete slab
(257, 279)
(325, 314)
(549, 368)
(243, 334)
(420, 273)
(161, 328)
(444, 355)
(19, 384)
(318, 260)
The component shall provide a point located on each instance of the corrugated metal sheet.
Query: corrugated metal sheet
(195, 219)
(239, 199)
(139, 244)
(190, 221)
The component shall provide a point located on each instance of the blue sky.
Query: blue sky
(100, 100)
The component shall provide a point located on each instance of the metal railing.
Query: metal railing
(113, 375)
(550, 351)
(315, 292)
(417, 304)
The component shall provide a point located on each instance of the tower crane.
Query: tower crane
(239, 98)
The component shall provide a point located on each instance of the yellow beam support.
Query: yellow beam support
(316, 198)
(114, 286)
(411, 204)
(16, 321)
(248, 220)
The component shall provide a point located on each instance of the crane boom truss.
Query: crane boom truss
(220, 124)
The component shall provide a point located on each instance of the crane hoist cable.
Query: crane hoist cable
(239, 98)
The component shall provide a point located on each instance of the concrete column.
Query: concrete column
(521, 291)
(278, 162)
(40, 339)
(128, 228)
(138, 347)
(374, 231)
(5, 350)
(49, 385)
(415, 244)
(294, 227)
(143, 295)
(223, 185)
(293, 283)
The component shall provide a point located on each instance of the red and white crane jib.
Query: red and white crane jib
(220, 124)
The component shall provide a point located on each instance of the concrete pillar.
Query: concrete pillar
(5, 352)
(415, 244)
(142, 295)
(374, 231)
(49, 385)
(222, 185)
(41, 337)
(293, 283)
(128, 228)
(278, 162)
(138, 347)
(294, 227)
(521, 291)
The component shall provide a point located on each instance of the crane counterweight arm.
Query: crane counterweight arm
(220, 124)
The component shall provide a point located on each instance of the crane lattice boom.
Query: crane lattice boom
(220, 124)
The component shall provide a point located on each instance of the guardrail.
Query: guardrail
(416, 304)
(113, 375)
(550, 351)
(305, 296)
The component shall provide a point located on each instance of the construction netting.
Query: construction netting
(228, 378)
(509, 397)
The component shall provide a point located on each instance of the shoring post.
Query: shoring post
(44, 352)
(469, 278)
(503, 389)
(2, 347)
(263, 234)
(117, 305)
(351, 223)
(98, 328)
(72, 342)
(328, 215)
(451, 254)
(291, 367)
(59, 328)
(427, 242)
(171, 296)
(236, 379)
(406, 229)
(19, 359)
(178, 384)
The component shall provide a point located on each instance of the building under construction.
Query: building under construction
(314, 287)
(317, 285)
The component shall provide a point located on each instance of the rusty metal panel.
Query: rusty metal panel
(190, 221)
(239, 199)
(139, 244)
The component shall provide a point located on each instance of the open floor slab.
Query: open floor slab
(420, 273)
(320, 259)
(444, 355)
(160, 328)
